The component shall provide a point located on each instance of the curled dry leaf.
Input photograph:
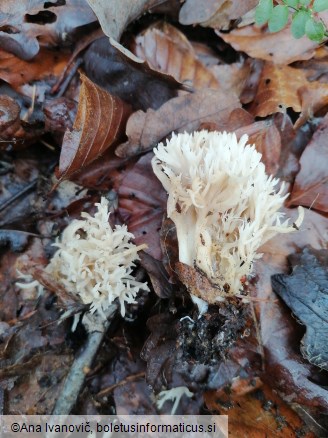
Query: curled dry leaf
(277, 90)
(166, 49)
(183, 113)
(311, 184)
(279, 48)
(99, 123)
(214, 13)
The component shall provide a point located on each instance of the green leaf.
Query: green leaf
(320, 5)
(263, 11)
(292, 3)
(278, 18)
(305, 2)
(314, 30)
(299, 20)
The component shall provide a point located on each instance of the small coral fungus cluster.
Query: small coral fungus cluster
(222, 202)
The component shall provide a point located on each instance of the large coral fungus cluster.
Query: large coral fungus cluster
(222, 202)
(95, 262)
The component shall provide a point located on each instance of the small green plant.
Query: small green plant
(304, 16)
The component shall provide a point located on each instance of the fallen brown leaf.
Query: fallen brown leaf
(166, 49)
(277, 90)
(98, 124)
(27, 23)
(313, 97)
(262, 413)
(48, 64)
(279, 48)
(142, 201)
(266, 137)
(214, 13)
(311, 184)
(296, 380)
(184, 113)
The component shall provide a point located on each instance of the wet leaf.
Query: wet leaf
(305, 291)
(142, 201)
(255, 415)
(47, 65)
(314, 98)
(214, 13)
(266, 137)
(166, 49)
(98, 124)
(311, 184)
(285, 369)
(277, 90)
(184, 113)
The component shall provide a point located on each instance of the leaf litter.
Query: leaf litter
(141, 79)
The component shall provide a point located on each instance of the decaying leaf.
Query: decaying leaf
(280, 47)
(183, 113)
(305, 291)
(314, 98)
(9, 117)
(135, 83)
(115, 15)
(266, 137)
(261, 413)
(166, 49)
(277, 90)
(142, 201)
(311, 184)
(214, 13)
(17, 72)
(296, 380)
(24, 24)
(98, 124)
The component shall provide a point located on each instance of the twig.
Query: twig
(76, 376)
(123, 382)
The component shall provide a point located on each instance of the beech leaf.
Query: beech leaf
(311, 184)
(183, 113)
(167, 50)
(305, 291)
(98, 124)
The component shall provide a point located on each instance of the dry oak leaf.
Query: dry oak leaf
(183, 113)
(277, 90)
(311, 183)
(279, 48)
(167, 50)
(99, 122)
(214, 13)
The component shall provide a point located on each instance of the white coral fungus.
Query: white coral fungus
(95, 262)
(223, 204)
